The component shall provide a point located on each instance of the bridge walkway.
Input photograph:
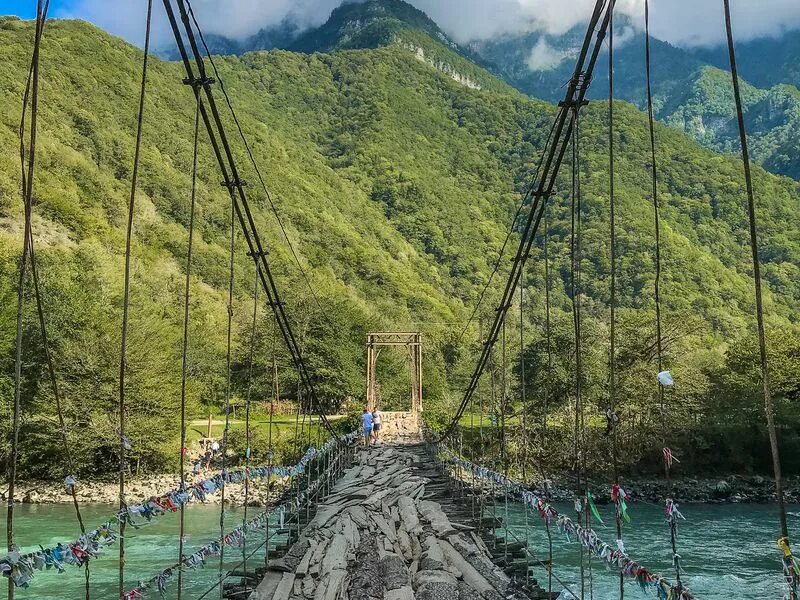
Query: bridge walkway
(384, 533)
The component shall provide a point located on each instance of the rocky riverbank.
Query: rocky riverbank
(730, 489)
(137, 489)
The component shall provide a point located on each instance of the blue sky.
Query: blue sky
(27, 9)
(682, 22)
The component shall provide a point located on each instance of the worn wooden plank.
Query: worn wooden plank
(385, 528)
(432, 512)
(285, 587)
(404, 541)
(305, 562)
(336, 556)
(266, 589)
(405, 592)
(408, 514)
(470, 574)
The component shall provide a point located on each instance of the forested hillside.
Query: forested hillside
(692, 88)
(397, 184)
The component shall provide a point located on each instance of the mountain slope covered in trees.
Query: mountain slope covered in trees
(397, 182)
(691, 86)
(692, 89)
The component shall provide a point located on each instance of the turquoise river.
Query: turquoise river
(728, 551)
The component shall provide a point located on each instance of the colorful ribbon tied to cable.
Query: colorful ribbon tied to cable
(613, 555)
(20, 568)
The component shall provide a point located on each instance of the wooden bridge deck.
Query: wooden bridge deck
(390, 530)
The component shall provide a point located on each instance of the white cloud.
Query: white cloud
(545, 58)
(231, 18)
(682, 22)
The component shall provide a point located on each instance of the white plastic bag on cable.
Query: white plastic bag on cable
(665, 378)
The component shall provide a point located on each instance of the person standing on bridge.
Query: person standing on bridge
(376, 426)
(367, 423)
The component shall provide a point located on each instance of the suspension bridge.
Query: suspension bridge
(412, 517)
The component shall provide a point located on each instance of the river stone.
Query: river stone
(394, 572)
(423, 578)
(437, 591)
(366, 581)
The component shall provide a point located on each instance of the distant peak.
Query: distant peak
(367, 24)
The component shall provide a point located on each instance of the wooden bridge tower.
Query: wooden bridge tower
(412, 342)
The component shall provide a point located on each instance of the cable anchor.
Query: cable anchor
(198, 82)
(573, 103)
(233, 184)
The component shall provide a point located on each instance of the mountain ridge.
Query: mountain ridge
(538, 64)
(681, 79)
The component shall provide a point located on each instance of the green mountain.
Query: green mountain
(692, 88)
(368, 25)
(781, 66)
(397, 181)
(704, 110)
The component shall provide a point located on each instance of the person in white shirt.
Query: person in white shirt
(376, 425)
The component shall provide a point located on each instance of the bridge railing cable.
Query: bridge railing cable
(80, 551)
(610, 554)
(237, 536)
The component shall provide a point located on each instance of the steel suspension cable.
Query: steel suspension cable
(503, 399)
(185, 347)
(27, 198)
(236, 189)
(525, 200)
(482, 449)
(504, 442)
(70, 463)
(656, 215)
(612, 375)
(255, 166)
(575, 285)
(123, 442)
(575, 94)
(225, 431)
(548, 329)
(523, 394)
(274, 397)
(673, 525)
(789, 562)
(547, 284)
(70, 479)
(248, 395)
